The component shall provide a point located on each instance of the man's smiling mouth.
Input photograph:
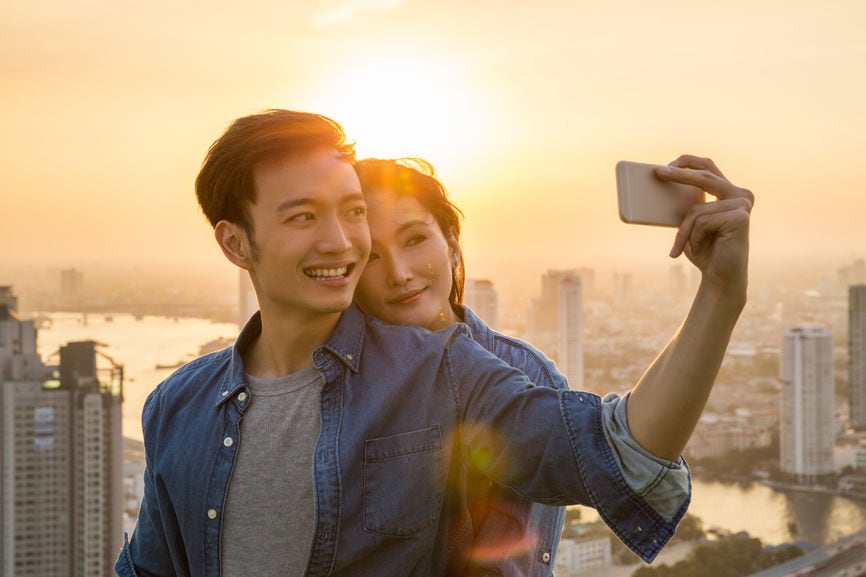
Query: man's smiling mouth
(329, 273)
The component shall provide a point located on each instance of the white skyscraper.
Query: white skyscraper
(480, 296)
(557, 323)
(62, 458)
(857, 355)
(808, 430)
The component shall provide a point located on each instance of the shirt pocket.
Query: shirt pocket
(403, 482)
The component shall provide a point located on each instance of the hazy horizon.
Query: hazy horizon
(107, 114)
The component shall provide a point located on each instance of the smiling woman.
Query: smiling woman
(404, 106)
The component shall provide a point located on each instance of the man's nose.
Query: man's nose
(333, 237)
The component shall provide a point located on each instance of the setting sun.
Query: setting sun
(405, 106)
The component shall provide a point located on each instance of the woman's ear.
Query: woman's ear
(234, 243)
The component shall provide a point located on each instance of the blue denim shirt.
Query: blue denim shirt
(402, 411)
(508, 535)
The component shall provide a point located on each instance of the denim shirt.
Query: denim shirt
(403, 413)
(508, 535)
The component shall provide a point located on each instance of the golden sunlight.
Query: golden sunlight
(405, 106)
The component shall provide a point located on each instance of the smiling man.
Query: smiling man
(326, 442)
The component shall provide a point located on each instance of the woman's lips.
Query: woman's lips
(407, 298)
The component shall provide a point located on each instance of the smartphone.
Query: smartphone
(644, 198)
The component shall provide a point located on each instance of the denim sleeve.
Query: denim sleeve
(557, 452)
(663, 484)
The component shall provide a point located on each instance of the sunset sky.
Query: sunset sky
(107, 108)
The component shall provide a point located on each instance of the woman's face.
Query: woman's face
(408, 277)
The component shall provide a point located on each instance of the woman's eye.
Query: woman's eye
(358, 211)
(417, 239)
(373, 256)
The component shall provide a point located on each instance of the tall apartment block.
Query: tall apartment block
(480, 296)
(808, 427)
(857, 356)
(62, 458)
(556, 325)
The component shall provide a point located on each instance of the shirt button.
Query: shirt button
(349, 357)
(224, 393)
(242, 397)
(545, 557)
(211, 513)
(228, 442)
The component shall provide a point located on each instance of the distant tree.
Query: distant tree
(691, 528)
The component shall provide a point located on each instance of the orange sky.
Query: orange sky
(107, 109)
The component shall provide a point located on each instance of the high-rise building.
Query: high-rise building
(857, 356)
(855, 273)
(808, 428)
(8, 298)
(248, 302)
(71, 285)
(62, 459)
(556, 325)
(480, 296)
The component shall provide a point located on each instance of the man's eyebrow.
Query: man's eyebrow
(304, 201)
(354, 197)
(292, 203)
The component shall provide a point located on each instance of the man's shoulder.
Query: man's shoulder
(516, 352)
(196, 373)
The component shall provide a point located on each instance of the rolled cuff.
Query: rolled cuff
(628, 514)
(664, 484)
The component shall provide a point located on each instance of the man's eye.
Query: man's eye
(301, 216)
(373, 256)
(358, 211)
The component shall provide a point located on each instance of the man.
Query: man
(325, 442)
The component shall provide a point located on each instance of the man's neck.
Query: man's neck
(286, 345)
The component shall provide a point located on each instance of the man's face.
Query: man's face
(310, 233)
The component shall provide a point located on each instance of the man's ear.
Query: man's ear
(234, 243)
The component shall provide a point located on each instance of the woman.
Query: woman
(415, 276)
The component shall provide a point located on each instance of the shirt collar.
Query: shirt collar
(234, 377)
(347, 340)
(345, 344)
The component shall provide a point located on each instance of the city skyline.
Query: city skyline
(762, 318)
(108, 114)
(62, 458)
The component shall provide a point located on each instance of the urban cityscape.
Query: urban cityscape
(788, 412)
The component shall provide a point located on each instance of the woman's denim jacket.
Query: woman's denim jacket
(404, 414)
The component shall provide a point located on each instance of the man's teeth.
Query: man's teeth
(326, 273)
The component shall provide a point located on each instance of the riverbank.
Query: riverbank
(778, 486)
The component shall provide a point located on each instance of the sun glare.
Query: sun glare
(404, 106)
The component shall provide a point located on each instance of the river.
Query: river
(140, 344)
(766, 513)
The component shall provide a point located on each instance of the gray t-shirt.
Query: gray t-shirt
(270, 511)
